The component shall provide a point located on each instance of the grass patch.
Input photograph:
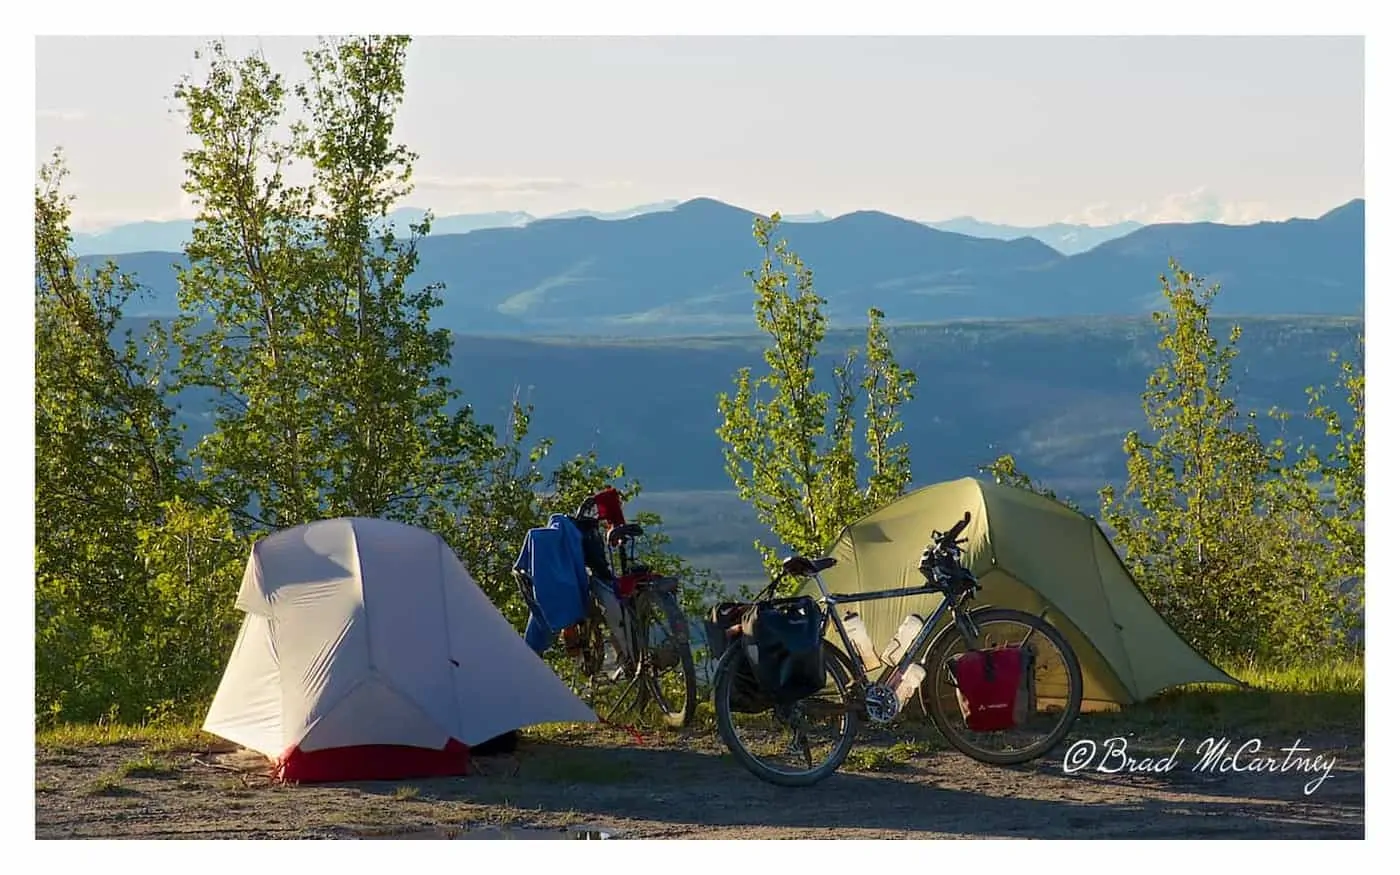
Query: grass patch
(404, 794)
(109, 785)
(161, 738)
(1329, 696)
(557, 732)
(886, 759)
(1336, 677)
(873, 759)
(147, 767)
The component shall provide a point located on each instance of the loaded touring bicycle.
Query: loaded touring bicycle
(789, 700)
(631, 648)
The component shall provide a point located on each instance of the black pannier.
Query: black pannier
(746, 696)
(784, 640)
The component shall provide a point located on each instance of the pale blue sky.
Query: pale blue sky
(1017, 130)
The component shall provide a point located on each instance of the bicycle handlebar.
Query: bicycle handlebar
(950, 537)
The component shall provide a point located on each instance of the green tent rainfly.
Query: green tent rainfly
(1031, 553)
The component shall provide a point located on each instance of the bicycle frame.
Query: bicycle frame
(830, 601)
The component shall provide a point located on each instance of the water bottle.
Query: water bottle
(903, 637)
(855, 628)
(907, 684)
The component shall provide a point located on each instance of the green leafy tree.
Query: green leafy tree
(329, 384)
(1342, 469)
(105, 460)
(1325, 492)
(194, 565)
(1198, 519)
(790, 448)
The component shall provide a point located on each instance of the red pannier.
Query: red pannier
(995, 686)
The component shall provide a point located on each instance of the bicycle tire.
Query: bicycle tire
(725, 673)
(933, 661)
(671, 610)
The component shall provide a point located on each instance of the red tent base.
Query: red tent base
(372, 762)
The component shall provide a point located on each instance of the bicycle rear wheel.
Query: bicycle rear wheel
(1059, 687)
(780, 744)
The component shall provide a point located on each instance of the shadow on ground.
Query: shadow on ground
(939, 794)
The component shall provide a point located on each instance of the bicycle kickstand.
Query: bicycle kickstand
(622, 697)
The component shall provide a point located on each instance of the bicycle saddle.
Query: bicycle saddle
(626, 530)
(801, 566)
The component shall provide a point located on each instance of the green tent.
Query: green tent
(1033, 554)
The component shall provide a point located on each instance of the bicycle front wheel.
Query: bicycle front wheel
(667, 676)
(1058, 687)
(794, 745)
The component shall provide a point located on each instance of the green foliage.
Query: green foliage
(790, 448)
(331, 396)
(1328, 490)
(105, 462)
(1206, 520)
(1340, 674)
(194, 565)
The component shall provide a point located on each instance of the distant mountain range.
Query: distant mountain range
(1065, 238)
(170, 236)
(681, 271)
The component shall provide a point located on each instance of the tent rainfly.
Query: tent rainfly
(367, 652)
(1033, 554)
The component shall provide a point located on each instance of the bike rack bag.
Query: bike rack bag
(995, 687)
(786, 639)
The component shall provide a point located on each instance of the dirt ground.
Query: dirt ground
(685, 787)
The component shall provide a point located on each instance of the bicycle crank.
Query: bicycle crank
(881, 704)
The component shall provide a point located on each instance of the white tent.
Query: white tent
(368, 652)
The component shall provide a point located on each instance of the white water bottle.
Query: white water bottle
(903, 637)
(855, 628)
(908, 684)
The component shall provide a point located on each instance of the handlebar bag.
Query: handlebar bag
(995, 687)
(786, 646)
